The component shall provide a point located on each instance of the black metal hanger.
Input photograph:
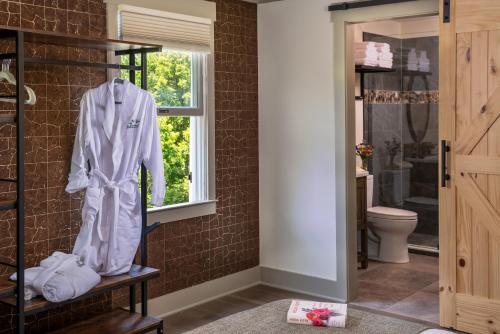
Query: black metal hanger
(118, 81)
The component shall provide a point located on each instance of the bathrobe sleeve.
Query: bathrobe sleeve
(152, 152)
(78, 176)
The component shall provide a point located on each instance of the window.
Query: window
(176, 80)
(180, 80)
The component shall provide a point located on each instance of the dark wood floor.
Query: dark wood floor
(224, 306)
(410, 289)
(404, 291)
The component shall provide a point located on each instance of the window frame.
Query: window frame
(205, 107)
(197, 91)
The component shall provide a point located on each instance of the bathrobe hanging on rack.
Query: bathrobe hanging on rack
(117, 130)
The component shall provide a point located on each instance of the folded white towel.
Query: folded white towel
(29, 276)
(385, 64)
(424, 68)
(370, 59)
(386, 56)
(60, 277)
(366, 53)
(65, 277)
(366, 62)
(70, 282)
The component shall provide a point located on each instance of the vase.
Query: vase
(364, 164)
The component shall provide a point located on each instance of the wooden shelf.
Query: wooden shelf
(373, 69)
(137, 274)
(7, 288)
(59, 39)
(7, 204)
(7, 119)
(116, 322)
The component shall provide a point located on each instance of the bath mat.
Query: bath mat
(271, 319)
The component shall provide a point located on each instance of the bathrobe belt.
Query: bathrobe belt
(116, 187)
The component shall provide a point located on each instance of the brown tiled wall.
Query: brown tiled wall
(197, 250)
(188, 252)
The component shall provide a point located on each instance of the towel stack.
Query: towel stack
(385, 55)
(373, 54)
(412, 60)
(422, 63)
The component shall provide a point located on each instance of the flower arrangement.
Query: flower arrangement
(364, 151)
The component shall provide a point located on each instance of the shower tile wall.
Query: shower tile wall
(420, 140)
(400, 110)
(382, 123)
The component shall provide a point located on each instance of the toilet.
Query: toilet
(388, 229)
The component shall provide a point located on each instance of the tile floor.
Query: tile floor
(409, 289)
(423, 239)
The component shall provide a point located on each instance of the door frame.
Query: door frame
(345, 131)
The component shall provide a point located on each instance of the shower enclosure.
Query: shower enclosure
(401, 122)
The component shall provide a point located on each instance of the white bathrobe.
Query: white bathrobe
(114, 139)
(59, 277)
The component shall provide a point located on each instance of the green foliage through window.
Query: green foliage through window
(169, 81)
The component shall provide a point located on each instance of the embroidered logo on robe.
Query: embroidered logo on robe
(133, 124)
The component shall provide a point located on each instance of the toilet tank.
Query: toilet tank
(369, 191)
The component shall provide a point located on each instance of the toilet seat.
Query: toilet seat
(391, 221)
(385, 213)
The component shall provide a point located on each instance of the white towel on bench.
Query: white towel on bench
(60, 277)
(29, 276)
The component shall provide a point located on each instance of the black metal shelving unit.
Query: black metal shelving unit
(13, 293)
(362, 70)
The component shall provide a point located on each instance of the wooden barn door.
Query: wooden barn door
(470, 200)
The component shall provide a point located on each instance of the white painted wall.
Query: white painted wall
(296, 138)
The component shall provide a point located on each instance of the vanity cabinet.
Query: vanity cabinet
(362, 222)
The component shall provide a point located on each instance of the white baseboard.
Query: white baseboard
(181, 300)
(310, 285)
(184, 299)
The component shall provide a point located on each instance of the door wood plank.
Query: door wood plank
(477, 315)
(494, 154)
(479, 98)
(489, 217)
(478, 165)
(471, 16)
(479, 126)
(464, 245)
(463, 109)
(480, 257)
(463, 118)
(447, 200)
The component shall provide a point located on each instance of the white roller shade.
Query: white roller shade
(173, 31)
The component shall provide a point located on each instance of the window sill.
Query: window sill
(182, 211)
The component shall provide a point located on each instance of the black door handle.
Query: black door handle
(444, 152)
